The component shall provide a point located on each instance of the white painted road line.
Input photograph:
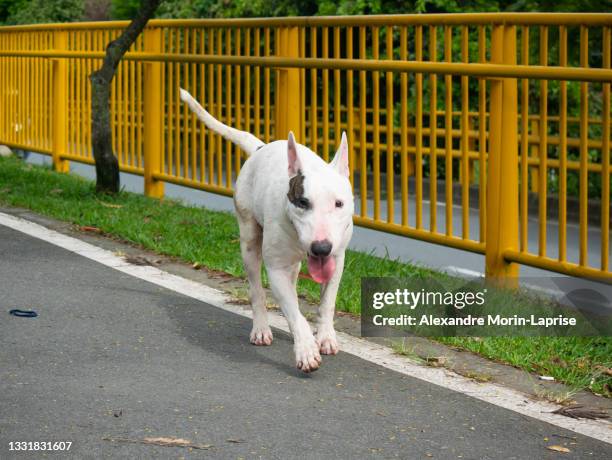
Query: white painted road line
(377, 354)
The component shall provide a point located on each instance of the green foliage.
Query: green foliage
(40, 11)
(124, 9)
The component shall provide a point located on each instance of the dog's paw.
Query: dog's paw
(261, 336)
(327, 340)
(307, 357)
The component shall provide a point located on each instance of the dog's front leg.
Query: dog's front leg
(307, 356)
(326, 335)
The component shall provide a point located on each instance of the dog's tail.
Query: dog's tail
(246, 141)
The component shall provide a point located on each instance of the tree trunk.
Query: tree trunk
(107, 166)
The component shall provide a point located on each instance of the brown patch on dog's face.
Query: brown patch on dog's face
(296, 190)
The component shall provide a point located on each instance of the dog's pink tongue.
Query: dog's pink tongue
(321, 268)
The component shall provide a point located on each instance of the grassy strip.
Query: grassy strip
(211, 238)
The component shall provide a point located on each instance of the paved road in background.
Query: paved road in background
(113, 356)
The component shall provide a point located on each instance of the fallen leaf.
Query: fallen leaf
(118, 413)
(141, 260)
(88, 228)
(435, 361)
(196, 266)
(558, 449)
(579, 411)
(238, 301)
(163, 441)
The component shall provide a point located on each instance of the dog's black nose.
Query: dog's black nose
(320, 248)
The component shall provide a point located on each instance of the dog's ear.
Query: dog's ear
(341, 159)
(292, 156)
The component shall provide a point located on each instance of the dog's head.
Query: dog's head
(320, 205)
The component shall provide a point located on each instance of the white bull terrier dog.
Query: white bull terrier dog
(290, 205)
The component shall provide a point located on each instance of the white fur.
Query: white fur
(276, 231)
(246, 141)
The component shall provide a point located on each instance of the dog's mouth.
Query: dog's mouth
(321, 268)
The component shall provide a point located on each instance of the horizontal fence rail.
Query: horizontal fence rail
(483, 132)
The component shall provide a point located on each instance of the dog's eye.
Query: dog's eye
(339, 204)
(302, 203)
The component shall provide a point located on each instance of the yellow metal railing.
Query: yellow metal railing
(448, 116)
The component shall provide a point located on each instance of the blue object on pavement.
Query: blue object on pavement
(24, 313)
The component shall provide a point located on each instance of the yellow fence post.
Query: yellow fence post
(288, 100)
(153, 129)
(59, 117)
(502, 181)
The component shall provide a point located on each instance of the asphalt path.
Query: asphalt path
(111, 356)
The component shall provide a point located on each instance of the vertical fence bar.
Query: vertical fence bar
(288, 99)
(203, 146)
(3, 88)
(605, 155)
(238, 99)
(325, 101)
(563, 147)
(337, 89)
(349, 106)
(482, 138)
(219, 99)
(60, 104)
(502, 212)
(448, 135)
(389, 127)
(211, 103)
(228, 108)
(78, 96)
(418, 55)
(363, 178)
(267, 90)
(247, 82)
(376, 121)
(524, 143)
(465, 128)
(192, 149)
(153, 115)
(404, 126)
(314, 137)
(433, 133)
(302, 53)
(543, 171)
(584, 149)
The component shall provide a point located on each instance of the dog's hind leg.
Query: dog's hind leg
(326, 335)
(250, 246)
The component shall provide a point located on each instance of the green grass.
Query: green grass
(211, 239)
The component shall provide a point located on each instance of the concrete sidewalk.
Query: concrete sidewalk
(113, 356)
